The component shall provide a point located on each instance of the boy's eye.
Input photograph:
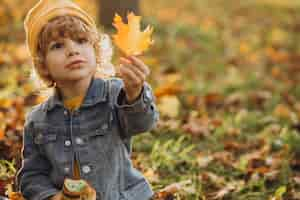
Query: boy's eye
(82, 40)
(56, 45)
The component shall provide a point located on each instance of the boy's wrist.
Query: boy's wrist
(131, 100)
(126, 99)
(131, 97)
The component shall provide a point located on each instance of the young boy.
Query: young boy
(84, 129)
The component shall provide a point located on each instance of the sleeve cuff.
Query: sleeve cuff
(139, 105)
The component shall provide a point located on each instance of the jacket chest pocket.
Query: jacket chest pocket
(100, 139)
(47, 139)
(97, 131)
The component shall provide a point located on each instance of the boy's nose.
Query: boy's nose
(72, 53)
(71, 48)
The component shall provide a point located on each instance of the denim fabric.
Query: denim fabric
(98, 134)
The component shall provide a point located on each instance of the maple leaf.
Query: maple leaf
(174, 188)
(129, 38)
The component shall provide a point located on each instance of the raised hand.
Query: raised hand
(133, 72)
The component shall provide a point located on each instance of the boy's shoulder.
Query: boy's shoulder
(36, 112)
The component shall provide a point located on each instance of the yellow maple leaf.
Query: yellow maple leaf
(129, 38)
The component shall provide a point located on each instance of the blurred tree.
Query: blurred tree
(107, 10)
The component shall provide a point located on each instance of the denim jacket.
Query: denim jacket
(98, 134)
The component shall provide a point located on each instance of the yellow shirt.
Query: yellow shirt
(72, 104)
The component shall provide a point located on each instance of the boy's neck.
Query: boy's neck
(68, 90)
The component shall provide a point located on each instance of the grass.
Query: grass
(237, 64)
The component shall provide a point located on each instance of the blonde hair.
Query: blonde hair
(71, 27)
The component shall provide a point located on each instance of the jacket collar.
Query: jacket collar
(97, 92)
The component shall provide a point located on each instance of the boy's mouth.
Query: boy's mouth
(74, 63)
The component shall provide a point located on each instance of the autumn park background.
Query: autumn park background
(226, 77)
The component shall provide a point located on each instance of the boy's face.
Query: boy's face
(61, 53)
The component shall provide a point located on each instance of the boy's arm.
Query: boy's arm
(139, 116)
(32, 178)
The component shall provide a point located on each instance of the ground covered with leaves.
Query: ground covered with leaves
(226, 80)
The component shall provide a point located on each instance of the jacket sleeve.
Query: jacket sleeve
(138, 117)
(32, 178)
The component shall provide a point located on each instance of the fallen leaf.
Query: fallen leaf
(204, 160)
(223, 192)
(213, 99)
(296, 179)
(198, 126)
(209, 177)
(172, 85)
(282, 111)
(173, 188)
(152, 175)
(169, 106)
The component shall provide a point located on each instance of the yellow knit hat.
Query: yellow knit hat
(46, 10)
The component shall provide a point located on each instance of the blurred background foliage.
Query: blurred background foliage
(225, 76)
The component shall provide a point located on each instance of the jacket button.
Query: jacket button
(148, 94)
(67, 143)
(67, 169)
(104, 126)
(38, 138)
(65, 112)
(86, 169)
(79, 141)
